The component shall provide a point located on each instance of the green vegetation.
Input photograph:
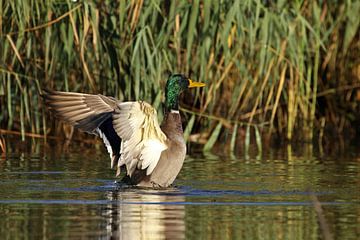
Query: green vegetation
(272, 68)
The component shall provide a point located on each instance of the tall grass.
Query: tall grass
(272, 68)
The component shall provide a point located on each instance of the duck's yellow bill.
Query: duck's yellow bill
(195, 84)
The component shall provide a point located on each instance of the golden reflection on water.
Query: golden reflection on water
(145, 215)
(59, 195)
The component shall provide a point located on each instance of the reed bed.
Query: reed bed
(273, 69)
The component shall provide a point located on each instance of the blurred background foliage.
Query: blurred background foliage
(286, 70)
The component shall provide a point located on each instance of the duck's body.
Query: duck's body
(171, 159)
(152, 155)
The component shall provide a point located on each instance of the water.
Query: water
(46, 193)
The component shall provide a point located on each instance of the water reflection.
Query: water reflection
(73, 196)
(145, 214)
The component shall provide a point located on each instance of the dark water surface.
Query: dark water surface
(73, 195)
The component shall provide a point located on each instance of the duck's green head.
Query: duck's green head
(175, 85)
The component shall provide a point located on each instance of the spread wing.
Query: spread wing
(89, 113)
(142, 139)
(84, 111)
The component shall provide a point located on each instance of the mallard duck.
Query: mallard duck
(152, 155)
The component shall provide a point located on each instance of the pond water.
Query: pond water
(48, 193)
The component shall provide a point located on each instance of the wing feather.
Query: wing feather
(79, 109)
(151, 154)
(90, 113)
(142, 139)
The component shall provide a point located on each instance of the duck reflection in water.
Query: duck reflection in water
(145, 214)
